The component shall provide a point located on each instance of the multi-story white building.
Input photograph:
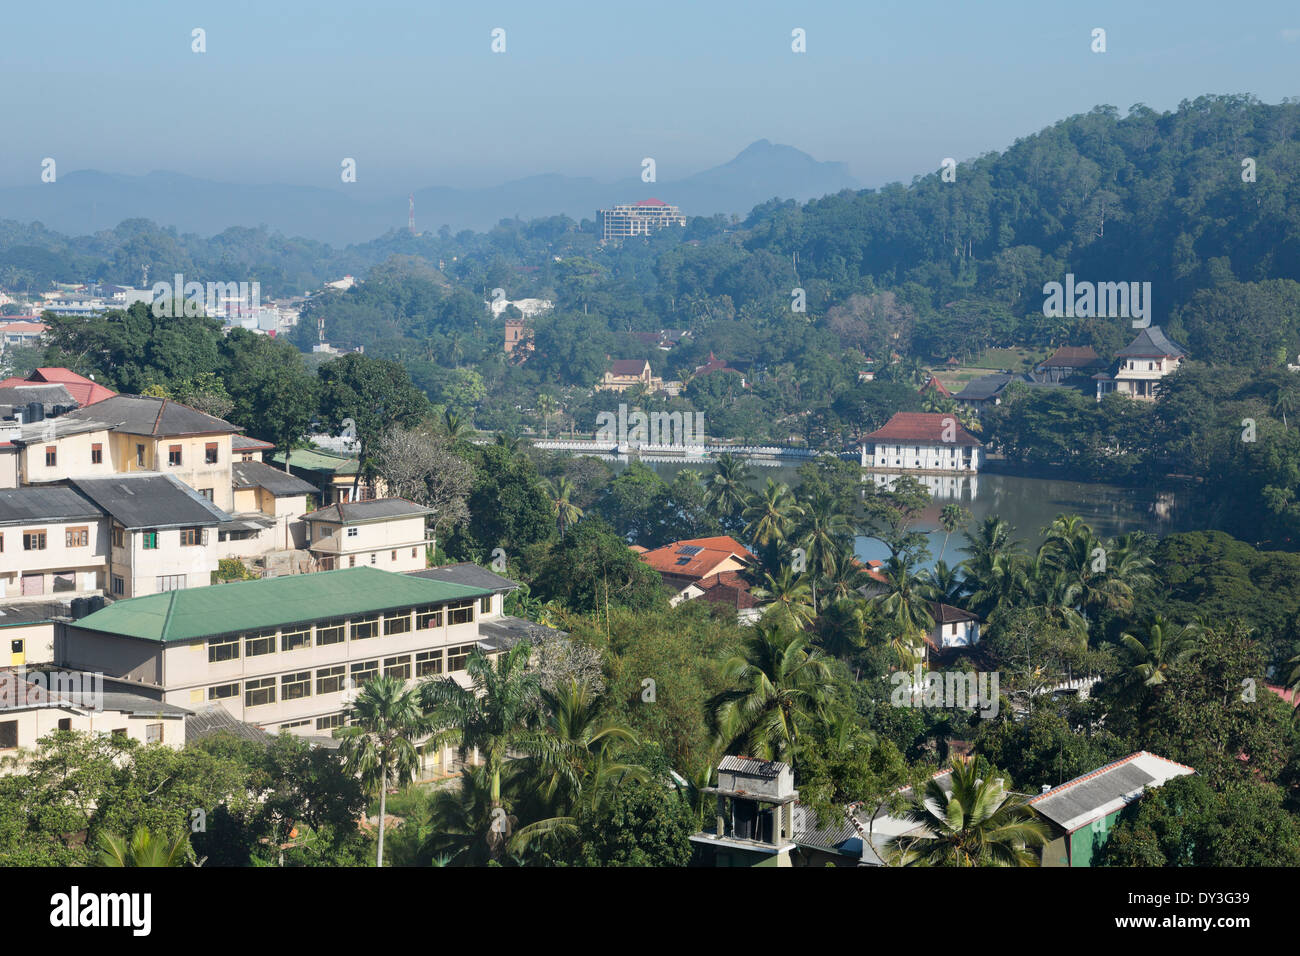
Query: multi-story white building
(639, 218)
(1142, 364)
(387, 533)
(922, 441)
(53, 542)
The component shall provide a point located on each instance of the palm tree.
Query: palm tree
(821, 532)
(455, 426)
(1152, 655)
(951, 517)
(143, 849)
(574, 758)
(379, 741)
(560, 494)
(977, 824)
(842, 582)
(780, 683)
(546, 405)
(1286, 399)
(943, 583)
(771, 514)
(511, 441)
(786, 598)
(727, 491)
(995, 569)
(904, 600)
(498, 708)
(845, 625)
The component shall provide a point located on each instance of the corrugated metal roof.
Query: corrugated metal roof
(156, 417)
(269, 602)
(1105, 790)
(748, 765)
(256, 474)
(468, 574)
(48, 503)
(377, 509)
(149, 500)
(214, 719)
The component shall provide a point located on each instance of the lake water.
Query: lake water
(1029, 504)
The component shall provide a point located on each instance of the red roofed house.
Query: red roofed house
(17, 333)
(83, 390)
(684, 565)
(730, 589)
(715, 364)
(923, 441)
(935, 385)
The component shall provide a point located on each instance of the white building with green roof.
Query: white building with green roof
(285, 652)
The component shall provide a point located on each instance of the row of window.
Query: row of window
(35, 540)
(228, 647)
(189, 538)
(331, 680)
(153, 733)
(174, 455)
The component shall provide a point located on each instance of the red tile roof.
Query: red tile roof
(83, 390)
(925, 428)
(937, 385)
(728, 588)
(696, 558)
(633, 367)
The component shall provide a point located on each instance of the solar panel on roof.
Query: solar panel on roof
(690, 549)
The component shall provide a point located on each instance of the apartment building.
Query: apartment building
(271, 501)
(387, 533)
(639, 218)
(285, 653)
(53, 541)
(162, 534)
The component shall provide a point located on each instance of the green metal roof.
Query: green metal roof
(269, 602)
(312, 460)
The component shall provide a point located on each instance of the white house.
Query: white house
(922, 441)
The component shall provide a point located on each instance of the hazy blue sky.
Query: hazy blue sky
(413, 92)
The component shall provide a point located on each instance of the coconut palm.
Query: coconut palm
(943, 583)
(845, 626)
(499, 708)
(842, 582)
(727, 489)
(454, 425)
(511, 441)
(995, 572)
(951, 517)
(1151, 655)
(780, 684)
(143, 849)
(1285, 399)
(904, 600)
(976, 824)
(560, 494)
(786, 599)
(771, 514)
(546, 405)
(385, 721)
(821, 532)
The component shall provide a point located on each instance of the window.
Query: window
(462, 613)
(191, 537)
(352, 532)
(223, 691)
(413, 552)
(210, 453)
(119, 537)
(224, 648)
(51, 456)
(457, 656)
(427, 617)
(255, 645)
(246, 456)
(485, 605)
(365, 627)
(8, 734)
(77, 537)
(352, 561)
(296, 637)
(119, 586)
(394, 557)
(139, 456)
(206, 493)
(258, 692)
(399, 667)
(397, 623)
(363, 672)
(97, 454)
(329, 722)
(295, 686)
(329, 632)
(373, 555)
(428, 663)
(294, 723)
(171, 582)
(153, 733)
(173, 455)
(330, 680)
(33, 540)
(65, 723)
(149, 540)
